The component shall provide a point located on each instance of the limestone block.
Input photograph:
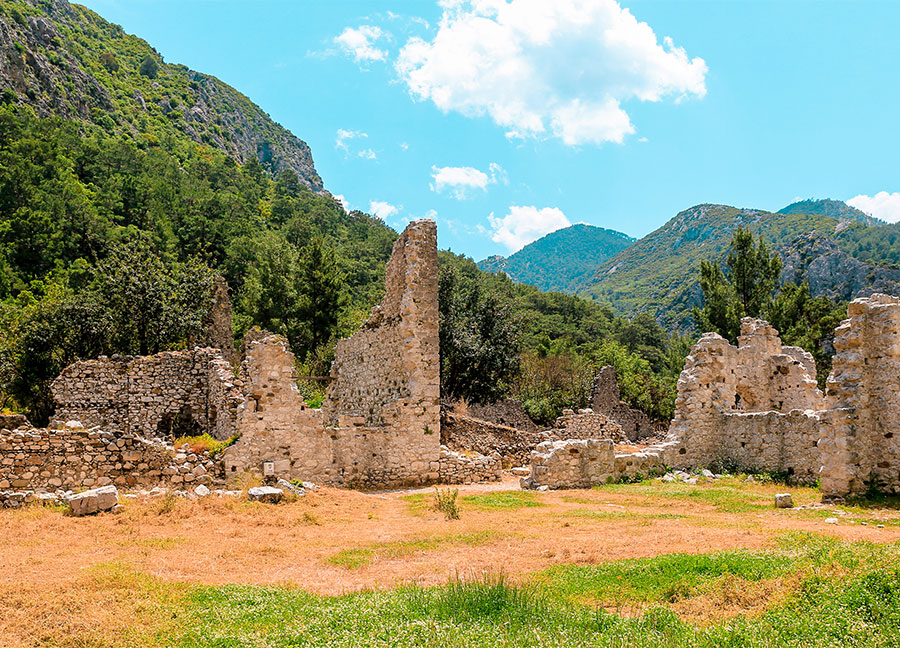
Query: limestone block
(93, 501)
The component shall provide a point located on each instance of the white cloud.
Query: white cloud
(360, 43)
(344, 203)
(343, 136)
(367, 154)
(461, 181)
(883, 205)
(539, 68)
(383, 210)
(522, 225)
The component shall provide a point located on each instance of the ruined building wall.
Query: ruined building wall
(860, 446)
(380, 423)
(168, 394)
(606, 399)
(752, 405)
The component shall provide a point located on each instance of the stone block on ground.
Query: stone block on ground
(93, 501)
(784, 500)
(267, 494)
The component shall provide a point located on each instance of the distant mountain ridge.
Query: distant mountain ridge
(562, 260)
(831, 208)
(659, 273)
(64, 60)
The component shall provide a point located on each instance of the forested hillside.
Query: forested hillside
(563, 260)
(839, 258)
(64, 60)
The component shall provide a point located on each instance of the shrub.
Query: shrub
(149, 67)
(205, 443)
(445, 502)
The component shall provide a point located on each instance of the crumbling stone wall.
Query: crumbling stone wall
(380, 422)
(606, 399)
(71, 457)
(508, 412)
(582, 463)
(860, 445)
(217, 324)
(464, 468)
(468, 434)
(170, 394)
(721, 384)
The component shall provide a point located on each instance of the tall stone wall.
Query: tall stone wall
(861, 445)
(722, 384)
(380, 422)
(169, 394)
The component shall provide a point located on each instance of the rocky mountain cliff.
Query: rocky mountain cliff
(562, 260)
(64, 60)
(832, 208)
(659, 273)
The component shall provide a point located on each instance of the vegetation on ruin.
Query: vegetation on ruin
(750, 288)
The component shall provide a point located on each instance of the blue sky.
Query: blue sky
(505, 119)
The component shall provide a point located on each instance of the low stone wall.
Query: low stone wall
(72, 457)
(582, 463)
(464, 433)
(508, 412)
(773, 442)
(456, 468)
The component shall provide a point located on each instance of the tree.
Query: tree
(321, 294)
(149, 67)
(747, 291)
(479, 338)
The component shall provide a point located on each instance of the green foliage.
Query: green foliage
(750, 290)
(445, 502)
(563, 260)
(107, 247)
(502, 500)
(205, 443)
(478, 335)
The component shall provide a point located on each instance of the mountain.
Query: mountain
(831, 208)
(562, 260)
(64, 60)
(658, 273)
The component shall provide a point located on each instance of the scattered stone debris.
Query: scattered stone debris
(784, 500)
(267, 494)
(288, 487)
(105, 498)
(831, 520)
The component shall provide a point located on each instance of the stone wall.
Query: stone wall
(721, 383)
(468, 434)
(860, 446)
(170, 394)
(380, 423)
(508, 412)
(462, 468)
(72, 457)
(606, 399)
(582, 463)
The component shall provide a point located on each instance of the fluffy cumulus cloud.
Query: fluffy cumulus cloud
(522, 225)
(360, 43)
(883, 205)
(460, 182)
(383, 210)
(539, 68)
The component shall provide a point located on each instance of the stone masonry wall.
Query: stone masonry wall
(860, 446)
(380, 423)
(72, 457)
(606, 399)
(508, 412)
(174, 393)
(721, 383)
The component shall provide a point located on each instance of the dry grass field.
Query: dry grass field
(133, 577)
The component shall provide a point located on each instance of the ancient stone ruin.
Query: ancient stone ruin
(606, 399)
(757, 405)
(751, 407)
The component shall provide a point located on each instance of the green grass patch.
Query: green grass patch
(726, 495)
(502, 500)
(362, 556)
(849, 596)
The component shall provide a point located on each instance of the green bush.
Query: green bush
(445, 502)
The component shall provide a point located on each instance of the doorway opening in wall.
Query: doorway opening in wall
(174, 425)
